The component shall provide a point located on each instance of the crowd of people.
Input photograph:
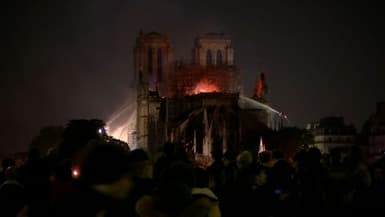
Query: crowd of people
(95, 176)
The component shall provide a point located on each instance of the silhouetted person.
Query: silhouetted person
(105, 180)
(230, 171)
(35, 176)
(360, 179)
(62, 182)
(12, 194)
(5, 164)
(173, 193)
(165, 160)
(281, 178)
(263, 202)
(282, 173)
(311, 176)
(142, 179)
(216, 169)
(234, 201)
(376, 196)
(205, 202)
(278, 155)
(266, 159)
(337, 185)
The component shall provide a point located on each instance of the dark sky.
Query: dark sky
(62, 60)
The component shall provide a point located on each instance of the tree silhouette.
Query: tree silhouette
(78, 134)
(47, 139)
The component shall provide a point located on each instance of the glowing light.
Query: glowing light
(262, 147)
(100, 131)
(122, 123)
(260, 87)
(205, 86)
(75, 173)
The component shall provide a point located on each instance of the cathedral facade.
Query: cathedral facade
(197, 103)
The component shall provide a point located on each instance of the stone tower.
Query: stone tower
(213, 49)
(153, 62)
(154, 58)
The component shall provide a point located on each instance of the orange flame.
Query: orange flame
(205, 86)
(259, 88)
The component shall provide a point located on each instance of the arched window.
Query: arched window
(149, 59)
(219, 57)
(209, 57)
(160, 65)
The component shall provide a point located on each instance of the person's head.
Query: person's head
(202, 178)
(299, 158)
(313, 155)
(106, 167)
(175, 187)
(7, 163)
(228, 157)
(178, 172)
(141, 163)
(378, 175)
(217, 154)
(281, 174)
(169, 148)
(244, 159)
(278, 155)
(335, 156)
(260, 176)
(11, 173)
(356, 154)
(265, 157)
(63, 170)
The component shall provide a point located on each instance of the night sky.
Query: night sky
(62, 60)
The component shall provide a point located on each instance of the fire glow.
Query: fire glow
(205, 86)
(75, 172)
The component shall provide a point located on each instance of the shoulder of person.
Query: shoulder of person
(204, 192)
(204, 204)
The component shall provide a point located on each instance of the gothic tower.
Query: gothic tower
(213, 49)
(214, 55)
(154, 57)
(153, 62)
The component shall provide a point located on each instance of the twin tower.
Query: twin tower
(212, 62)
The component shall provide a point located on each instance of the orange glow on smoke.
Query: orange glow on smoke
(205, 86)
